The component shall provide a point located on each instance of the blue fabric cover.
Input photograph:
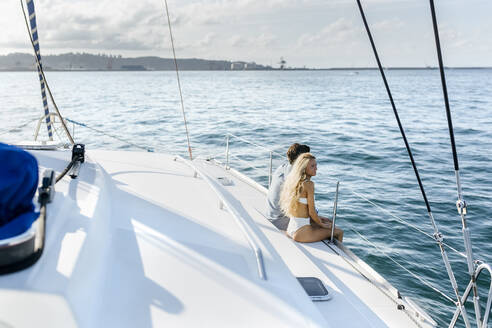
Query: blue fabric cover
(18, 184)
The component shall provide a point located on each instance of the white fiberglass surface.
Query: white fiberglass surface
(182, 246)
(137, 240)
(355, 300)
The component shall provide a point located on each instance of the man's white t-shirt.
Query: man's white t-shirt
(273, 197)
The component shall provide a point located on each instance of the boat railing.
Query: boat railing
(53, 119)
(240, 220)
(334, 217)
(484, 323)
(270, 152)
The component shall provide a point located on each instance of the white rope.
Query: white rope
(179, 83)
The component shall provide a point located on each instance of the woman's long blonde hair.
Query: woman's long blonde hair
(291, 190)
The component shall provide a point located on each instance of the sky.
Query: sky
(310, 33)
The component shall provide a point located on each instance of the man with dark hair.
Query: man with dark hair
(273, 208)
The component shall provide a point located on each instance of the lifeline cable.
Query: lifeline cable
(437, 235)
(425, 282)
(150, 150)
(44, 78)
(402, 221)
(179, 83)
(18, 127)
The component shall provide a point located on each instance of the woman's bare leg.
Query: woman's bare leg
(337, 234)
(309, 234)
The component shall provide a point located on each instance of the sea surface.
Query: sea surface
(346, 118)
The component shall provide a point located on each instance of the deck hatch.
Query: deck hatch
(225, 181)
(315, 288)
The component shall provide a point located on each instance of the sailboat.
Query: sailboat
(140, 239)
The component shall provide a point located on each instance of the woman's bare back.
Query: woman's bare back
(302, 209)
(317, 230)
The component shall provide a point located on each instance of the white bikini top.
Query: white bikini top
(302, 201)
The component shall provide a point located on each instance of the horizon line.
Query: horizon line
(235, 61)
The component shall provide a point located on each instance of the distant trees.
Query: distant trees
(108, 61)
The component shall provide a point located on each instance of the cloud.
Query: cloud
(391, 24)
(208, 40)
(452, 38)
(303, 30)
(337, 32)
(222, 11)
(261, 41)
(102, 25)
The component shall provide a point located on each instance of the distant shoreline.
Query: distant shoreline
(86, 62)
(270, 69)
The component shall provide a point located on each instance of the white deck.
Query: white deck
(138, 241)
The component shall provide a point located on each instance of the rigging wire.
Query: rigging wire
(402, 221)
(444, 87)
(425, 282)
(56, 131)
(44, 78)
(177, 76)
(437, 235)
(18, 127)
(400, 126)
(255, 144)
(461, 204)
(245, 161)
(109, 135)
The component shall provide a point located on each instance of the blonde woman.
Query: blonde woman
(297, 202)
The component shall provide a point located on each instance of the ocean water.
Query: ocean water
(345, 117)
